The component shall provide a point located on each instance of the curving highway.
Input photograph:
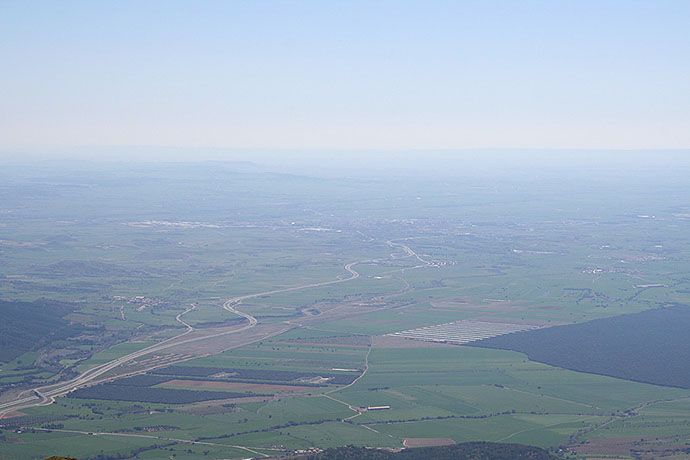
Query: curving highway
(46, 394)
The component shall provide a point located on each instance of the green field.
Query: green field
(129, 258)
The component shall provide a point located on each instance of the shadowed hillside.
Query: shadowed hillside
(27, 326)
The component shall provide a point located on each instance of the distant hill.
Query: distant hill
(463, 451)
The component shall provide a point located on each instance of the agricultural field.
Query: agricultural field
(462, 332)
(649, 346)
(207, 311)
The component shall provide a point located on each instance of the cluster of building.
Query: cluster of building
(140, 300)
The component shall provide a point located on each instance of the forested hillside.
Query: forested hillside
(27, 326)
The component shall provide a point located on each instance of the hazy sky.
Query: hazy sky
(345, 74)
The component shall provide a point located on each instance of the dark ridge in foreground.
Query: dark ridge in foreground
(463, 451)
(648, 347)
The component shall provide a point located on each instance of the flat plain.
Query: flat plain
(257, 308)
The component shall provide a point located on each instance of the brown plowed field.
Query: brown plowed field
(427, 442)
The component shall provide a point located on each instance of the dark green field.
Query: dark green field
(650, 346)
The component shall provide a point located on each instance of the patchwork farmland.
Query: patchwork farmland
(434, 275)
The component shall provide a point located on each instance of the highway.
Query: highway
(408, 251)
(45, 395)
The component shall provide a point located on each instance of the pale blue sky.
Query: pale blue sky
(345, 74)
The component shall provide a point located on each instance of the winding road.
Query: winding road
(45, 395)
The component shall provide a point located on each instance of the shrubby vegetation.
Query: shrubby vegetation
(289, 424)
(17, 422)
(464, 451)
